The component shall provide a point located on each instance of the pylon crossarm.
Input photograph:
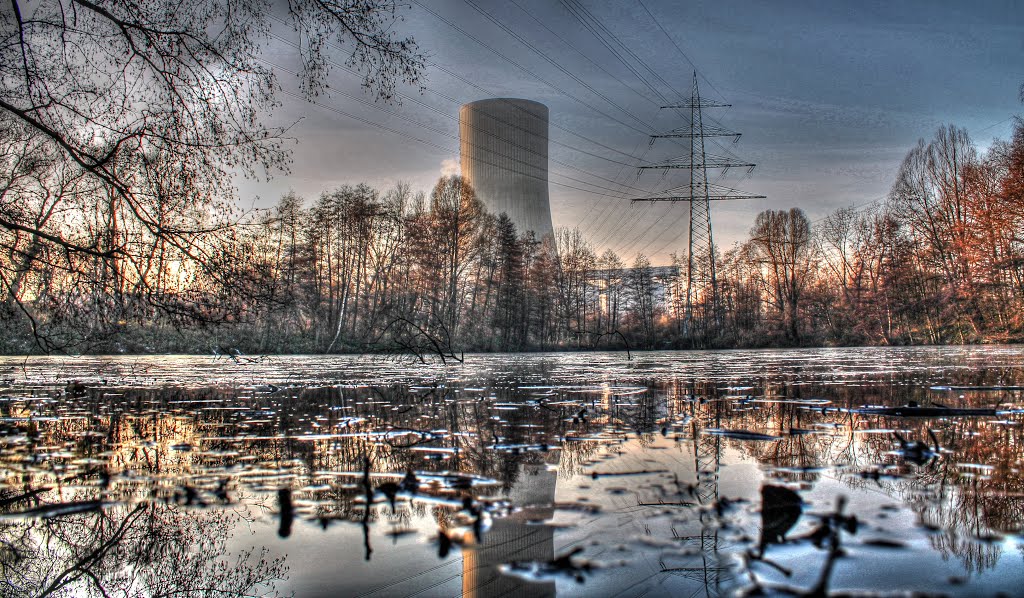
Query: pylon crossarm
(706, 131)
(697, 103)
(710, 162)
(712, 192)
(701, 198)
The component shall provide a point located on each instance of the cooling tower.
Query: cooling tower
(504, 147)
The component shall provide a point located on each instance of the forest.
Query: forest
(359, 269)
(123, 127)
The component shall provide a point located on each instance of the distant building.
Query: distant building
(504, 156)
(665, 288)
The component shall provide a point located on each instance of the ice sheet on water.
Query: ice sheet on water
(681, 444)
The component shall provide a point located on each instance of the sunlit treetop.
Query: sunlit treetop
(161, 101)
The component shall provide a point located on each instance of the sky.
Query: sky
(829, 98)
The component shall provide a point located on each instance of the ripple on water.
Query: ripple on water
(565, 473)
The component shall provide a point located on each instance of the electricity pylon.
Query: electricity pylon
(701, 277)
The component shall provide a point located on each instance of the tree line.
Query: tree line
(358, 269)
(366, 270)
(122, 125)
(941, 260)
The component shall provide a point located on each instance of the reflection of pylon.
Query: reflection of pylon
(702, 307)
(708, 454)
(707, 450)
(707, 566)
(711, 572)
(707, 457)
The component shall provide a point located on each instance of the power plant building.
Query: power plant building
(504, 156)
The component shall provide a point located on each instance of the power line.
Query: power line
(603, 219)
(581, 53)
(625, 233)
(593, 29)
(992, 126)
(519, 38)
(452, 136)
(553, 63)
(857, 206)
(406, 97)
(548, 59)
(530, 72)
(670, 228)
(602, 32)
(631, 238)
(405, 135)
(678, 49)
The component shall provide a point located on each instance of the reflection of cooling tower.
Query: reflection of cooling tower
(504, 146)
(515, 539)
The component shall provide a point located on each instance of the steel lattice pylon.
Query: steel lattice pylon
(702, 315)
(708, 565)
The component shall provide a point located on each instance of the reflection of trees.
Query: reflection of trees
(148, 549)
(196, 445)
(184, 433)
(963, 504)
(137, 443)
(576, 454)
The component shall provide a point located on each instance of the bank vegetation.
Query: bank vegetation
(122, 125)
(358, 269)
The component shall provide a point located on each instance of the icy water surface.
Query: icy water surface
(804, 472)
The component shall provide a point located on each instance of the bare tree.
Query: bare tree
(456, 214)
(577, 262)
(931, 195)
(781, 242)
(127, 121)
(640, 287)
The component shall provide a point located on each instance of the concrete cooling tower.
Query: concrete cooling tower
(504, 150)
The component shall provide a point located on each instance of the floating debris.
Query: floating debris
(916, 451)
(59, 509)
(739, 434)
(286, 512)
(564, 565)
(780, 510)
(884, 543)
(597, 474)
(918, 411)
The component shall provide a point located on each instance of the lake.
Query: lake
(777, 472)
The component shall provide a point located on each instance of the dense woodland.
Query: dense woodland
(941, 261)
(362, 269)
(122, 125)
